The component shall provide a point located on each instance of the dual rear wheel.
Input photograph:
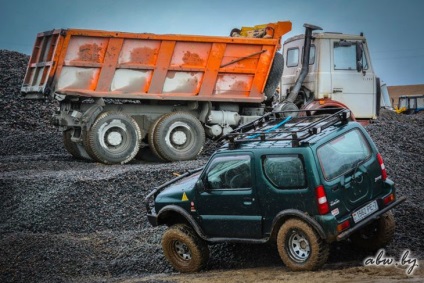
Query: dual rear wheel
(115, 138)
(176, 136)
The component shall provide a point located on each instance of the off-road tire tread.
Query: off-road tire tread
(320, 249)
(199, 249)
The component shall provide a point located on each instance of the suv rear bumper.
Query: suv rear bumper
(368, 220)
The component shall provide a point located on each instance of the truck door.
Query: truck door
(228, 206)
(356, 88)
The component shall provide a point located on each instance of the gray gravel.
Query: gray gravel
(64, 220)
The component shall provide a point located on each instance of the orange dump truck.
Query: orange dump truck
(120, 92)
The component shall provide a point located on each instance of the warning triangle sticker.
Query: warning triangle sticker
(184, 198)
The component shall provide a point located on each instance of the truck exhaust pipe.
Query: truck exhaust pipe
(288, 103)
(305, 62)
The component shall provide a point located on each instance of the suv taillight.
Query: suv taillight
(323, 207)
(383, 168)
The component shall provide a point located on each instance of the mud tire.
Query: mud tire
(184, 250)
(178, 136)
(377, 234)
(300, 247)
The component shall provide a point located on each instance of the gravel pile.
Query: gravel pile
(65, 220)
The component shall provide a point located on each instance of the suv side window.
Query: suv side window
(230, 172)
(284, 171)
(343, 153)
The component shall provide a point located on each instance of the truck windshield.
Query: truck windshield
(343, 153)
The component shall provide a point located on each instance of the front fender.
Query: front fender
(173, 213)
(281, 217)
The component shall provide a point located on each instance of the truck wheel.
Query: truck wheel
(151, 139)
(186, 251)
(75, 149)
(274, 76)
(300, 247)
(376, 235)
(114, 138)
(179, 136)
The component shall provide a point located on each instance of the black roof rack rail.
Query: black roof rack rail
(271, 126)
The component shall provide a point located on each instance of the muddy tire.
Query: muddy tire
(178, 136)
(274, 76)
(114, 138)
(376, 235)
(300, 246)
(77, 150)
(184, 250)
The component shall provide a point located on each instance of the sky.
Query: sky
(394, 29)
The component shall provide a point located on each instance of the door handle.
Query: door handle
(248, 201)
(335, 90)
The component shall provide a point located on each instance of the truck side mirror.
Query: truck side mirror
(359, 54)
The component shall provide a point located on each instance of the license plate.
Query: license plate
(365, 211)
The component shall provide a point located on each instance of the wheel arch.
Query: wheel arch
(326, 104)
(283, 216)
(173, 214)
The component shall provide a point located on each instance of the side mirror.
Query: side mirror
(359, 54)
(202, 185)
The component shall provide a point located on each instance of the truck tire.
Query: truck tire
(376, 235)
(77, 150)
(151, 139)
(274, 76)
(300, 247)
(186, 251)
(178, 136)
(114, 138)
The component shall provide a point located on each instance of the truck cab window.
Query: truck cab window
(292, 57)
(345, 57)
(232, 172)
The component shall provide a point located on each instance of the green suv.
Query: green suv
(302, 182)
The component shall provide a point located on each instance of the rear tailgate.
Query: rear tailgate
(42, 65)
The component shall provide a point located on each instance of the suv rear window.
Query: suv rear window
(343, 153)
(284, 171)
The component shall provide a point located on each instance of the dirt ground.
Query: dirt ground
(330, 273)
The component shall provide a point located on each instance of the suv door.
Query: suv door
(228, 206)
(356, 89)
(284, 185)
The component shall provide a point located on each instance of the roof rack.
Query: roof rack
(275, 126)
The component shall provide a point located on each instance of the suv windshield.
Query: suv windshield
(342, 154)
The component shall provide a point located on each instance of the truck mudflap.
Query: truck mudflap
(345, 234)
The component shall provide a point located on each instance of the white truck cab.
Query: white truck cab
(339, 74)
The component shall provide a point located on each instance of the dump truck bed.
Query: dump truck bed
(94, 63)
